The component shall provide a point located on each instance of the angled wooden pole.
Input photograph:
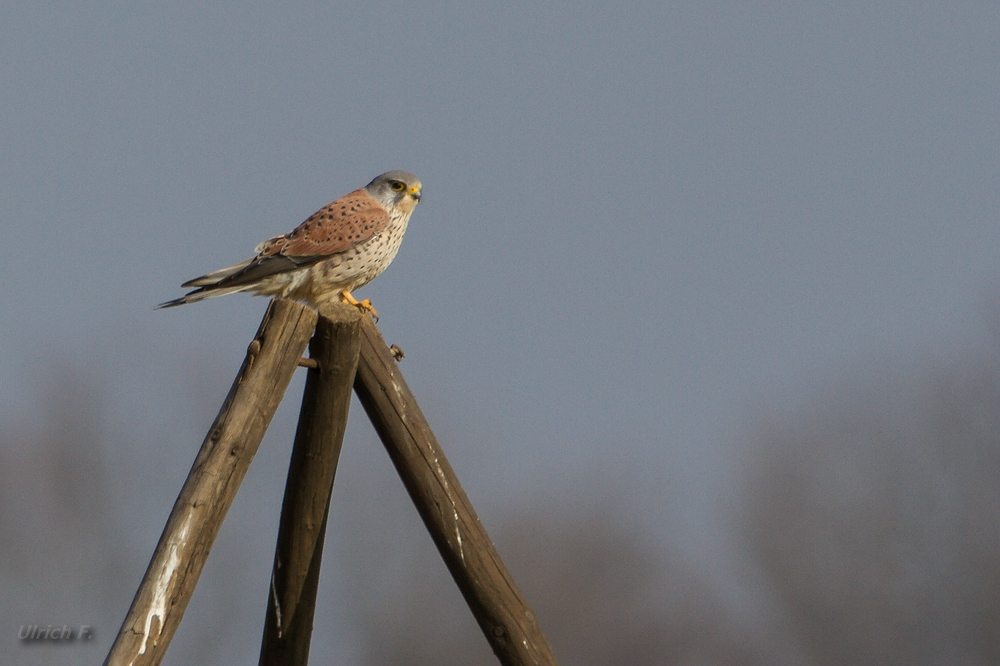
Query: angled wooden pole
(211, 485)
(304, 511)
(499, 607)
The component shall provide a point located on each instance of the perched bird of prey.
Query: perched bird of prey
(342, 247)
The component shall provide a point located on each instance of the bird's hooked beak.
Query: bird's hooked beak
(415, 192)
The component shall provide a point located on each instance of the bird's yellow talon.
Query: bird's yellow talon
(364, 306)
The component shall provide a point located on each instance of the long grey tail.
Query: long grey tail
(200, 295)
(211, 284)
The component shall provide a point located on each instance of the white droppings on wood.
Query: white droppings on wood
(277, 603)
(400, 400)
(454, 508)
(161, 586)
(458, 534)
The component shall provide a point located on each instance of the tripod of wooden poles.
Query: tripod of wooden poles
(346, 351)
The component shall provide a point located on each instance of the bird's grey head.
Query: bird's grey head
(396, 189)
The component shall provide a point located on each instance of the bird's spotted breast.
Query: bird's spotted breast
(356, 267)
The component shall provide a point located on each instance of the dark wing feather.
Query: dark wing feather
(262, 267)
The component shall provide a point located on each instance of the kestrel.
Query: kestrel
(342, 247)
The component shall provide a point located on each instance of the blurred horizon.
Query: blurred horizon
(916, 447)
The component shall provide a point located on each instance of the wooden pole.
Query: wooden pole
(488, 588)
(318, 440)
(211, 485)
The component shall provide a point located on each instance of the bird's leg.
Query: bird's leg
(364, 306)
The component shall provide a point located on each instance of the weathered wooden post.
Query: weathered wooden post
(318, 439)
(346, 349)
(499, 607)
(211, 485)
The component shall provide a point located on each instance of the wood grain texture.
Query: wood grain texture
(211, 485)
(499, 607)
(304, 511)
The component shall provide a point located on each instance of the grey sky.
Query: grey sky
(641, 223)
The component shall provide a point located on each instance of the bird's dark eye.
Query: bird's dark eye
(398, 186)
